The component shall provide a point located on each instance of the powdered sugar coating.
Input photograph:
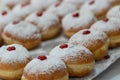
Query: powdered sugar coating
(85, 39)
(63, 9)
(3, 8)
(76, 2)
(40, 4)
(82, 21)
(12, 2)
(49, 65)
(114, 12)
(97, 7)
(23, 11)
(111, 26)
(28, 30)
(45, 21)
(70, 51)
(20, 54)
(9, 17)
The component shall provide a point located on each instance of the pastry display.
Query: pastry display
(79, 60)
(77, 21)
(73, 38)
(111, 27)
(22, 33)
(96, 41)
(45, 68)
(48, 23)
(13, 59)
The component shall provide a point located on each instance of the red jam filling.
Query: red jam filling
(92, 2)
(106, 20)
(42, 57)
(76, 14)
(107, 57)
(86, 32)
(63, 46)
(4, 13)
(11, 48)
(58, 4)
(16, 22)
(39, 14)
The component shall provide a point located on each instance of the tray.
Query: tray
(100, 66)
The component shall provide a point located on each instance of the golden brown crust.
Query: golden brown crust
(29, 44)
(52, 32)
(54, 75)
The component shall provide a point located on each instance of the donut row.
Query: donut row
(44, 19)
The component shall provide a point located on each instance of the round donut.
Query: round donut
(13, 59)
(45, 68)
(79, 60)
(23, 10)
(47, 23)
(96, 41)
(114, 12)
(76, 21)
(61, 9)
(111, 26)
(98, 7)
(22, 33)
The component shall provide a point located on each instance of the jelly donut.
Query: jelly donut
(76, 21)
(114, 2)
(22, 33)
(47, 23)
(61, 9)
(98, 7)
(79, 60)
(23, 10)
(13, 59)
(96, 41)
(112, 28)
(45, 68)
(114, 12)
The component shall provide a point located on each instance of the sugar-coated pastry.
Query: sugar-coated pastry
(22, 33)
(13, 59)
(43, 4)
(76, 21)
(96, 41)
(98, 7)
(47, 23)
(79, 60)
(112, 28)
(12, 3)
(62, 8)
(78, 3)
(6, 16)
(45, 68)
(23, 10)
(114, 12)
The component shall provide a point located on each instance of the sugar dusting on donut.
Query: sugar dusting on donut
(44, 66)
(23, 30)
(13, 53)
(82, 39)
(114, 12)
(69, 51)
(46, 20)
